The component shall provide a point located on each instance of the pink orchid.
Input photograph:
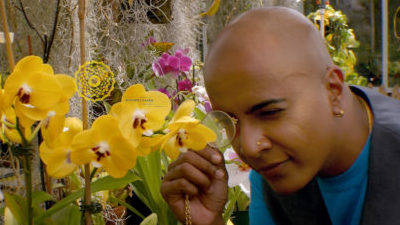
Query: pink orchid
(173, 64)
(149, 41)
(185, 85)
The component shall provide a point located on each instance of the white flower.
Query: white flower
(200, 93)
(238, 171)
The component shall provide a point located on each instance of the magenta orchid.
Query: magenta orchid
(150, 40)
(172, 64)
(185, 85)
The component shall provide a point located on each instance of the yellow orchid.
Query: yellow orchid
(52, 125)
(186, 132)
(8, 129)
(104, 145)
(149, 144)
(34, 90)
(56, 156)
(141, 112)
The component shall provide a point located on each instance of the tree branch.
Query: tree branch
(22, 9)
(53, 33)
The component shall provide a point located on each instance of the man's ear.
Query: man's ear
(334, 83)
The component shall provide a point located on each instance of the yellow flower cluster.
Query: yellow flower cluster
(134, 127)
(32, 93)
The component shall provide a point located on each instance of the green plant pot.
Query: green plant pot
(240, 217)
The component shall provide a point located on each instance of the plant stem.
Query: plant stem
(28, 186)
(10, 55)
(88, 217)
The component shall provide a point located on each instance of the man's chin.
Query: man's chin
(284, 186)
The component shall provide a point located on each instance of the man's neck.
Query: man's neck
(353, 131)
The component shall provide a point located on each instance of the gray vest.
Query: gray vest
(382, 199)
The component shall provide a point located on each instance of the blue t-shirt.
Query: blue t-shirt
(343, 194)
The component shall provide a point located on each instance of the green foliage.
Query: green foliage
(105, 183)
(151, 169)
(237, 201)
(150, 220)
(340, 40)
(69, 215)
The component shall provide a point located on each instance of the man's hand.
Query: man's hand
(201, 175)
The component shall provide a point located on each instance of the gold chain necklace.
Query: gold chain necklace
(188, 218)
(369, 113)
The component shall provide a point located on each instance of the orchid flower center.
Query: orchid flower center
(180, 136)
(102, 150)
(139, 118)
(243, 167)
(24, 94)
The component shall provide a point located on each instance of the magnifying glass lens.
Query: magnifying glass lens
(223, 126)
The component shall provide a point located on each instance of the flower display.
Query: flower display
(185, 132)
(104, 146)
(56, 149)
(34, 90)
(172, 64)
(141, 112)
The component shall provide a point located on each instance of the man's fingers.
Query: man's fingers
(178, 187)
(212, 155)
(197, 160)
(190, 173)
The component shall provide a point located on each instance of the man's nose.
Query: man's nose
(253, 139)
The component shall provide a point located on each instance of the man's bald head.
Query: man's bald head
(275, 36)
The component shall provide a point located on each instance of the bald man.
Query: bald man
(320, 150)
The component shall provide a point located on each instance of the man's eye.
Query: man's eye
(270, 112)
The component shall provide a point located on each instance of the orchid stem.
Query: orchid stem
(28, 185)
(9, 125)
(24, 141)
(37, 128)
(93, 173)
(88, 216)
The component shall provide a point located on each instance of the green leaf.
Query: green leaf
(106, 106)
(150, 220)
(75, 181)
(101, 184)
(230, 205)
(199, 114)
(41, 196)
(69, 215)
(18, 207)
(9, 218)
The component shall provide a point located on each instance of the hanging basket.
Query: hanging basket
(158, 11)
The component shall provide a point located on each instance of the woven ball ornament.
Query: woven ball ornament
(94, 81)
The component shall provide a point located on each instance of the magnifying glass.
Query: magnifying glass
(223, 125)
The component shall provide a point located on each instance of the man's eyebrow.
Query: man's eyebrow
(265, 103)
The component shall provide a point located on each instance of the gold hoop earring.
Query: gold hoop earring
(258, 143)
(340, 113)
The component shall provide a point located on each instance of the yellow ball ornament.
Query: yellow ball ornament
(94, 81)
